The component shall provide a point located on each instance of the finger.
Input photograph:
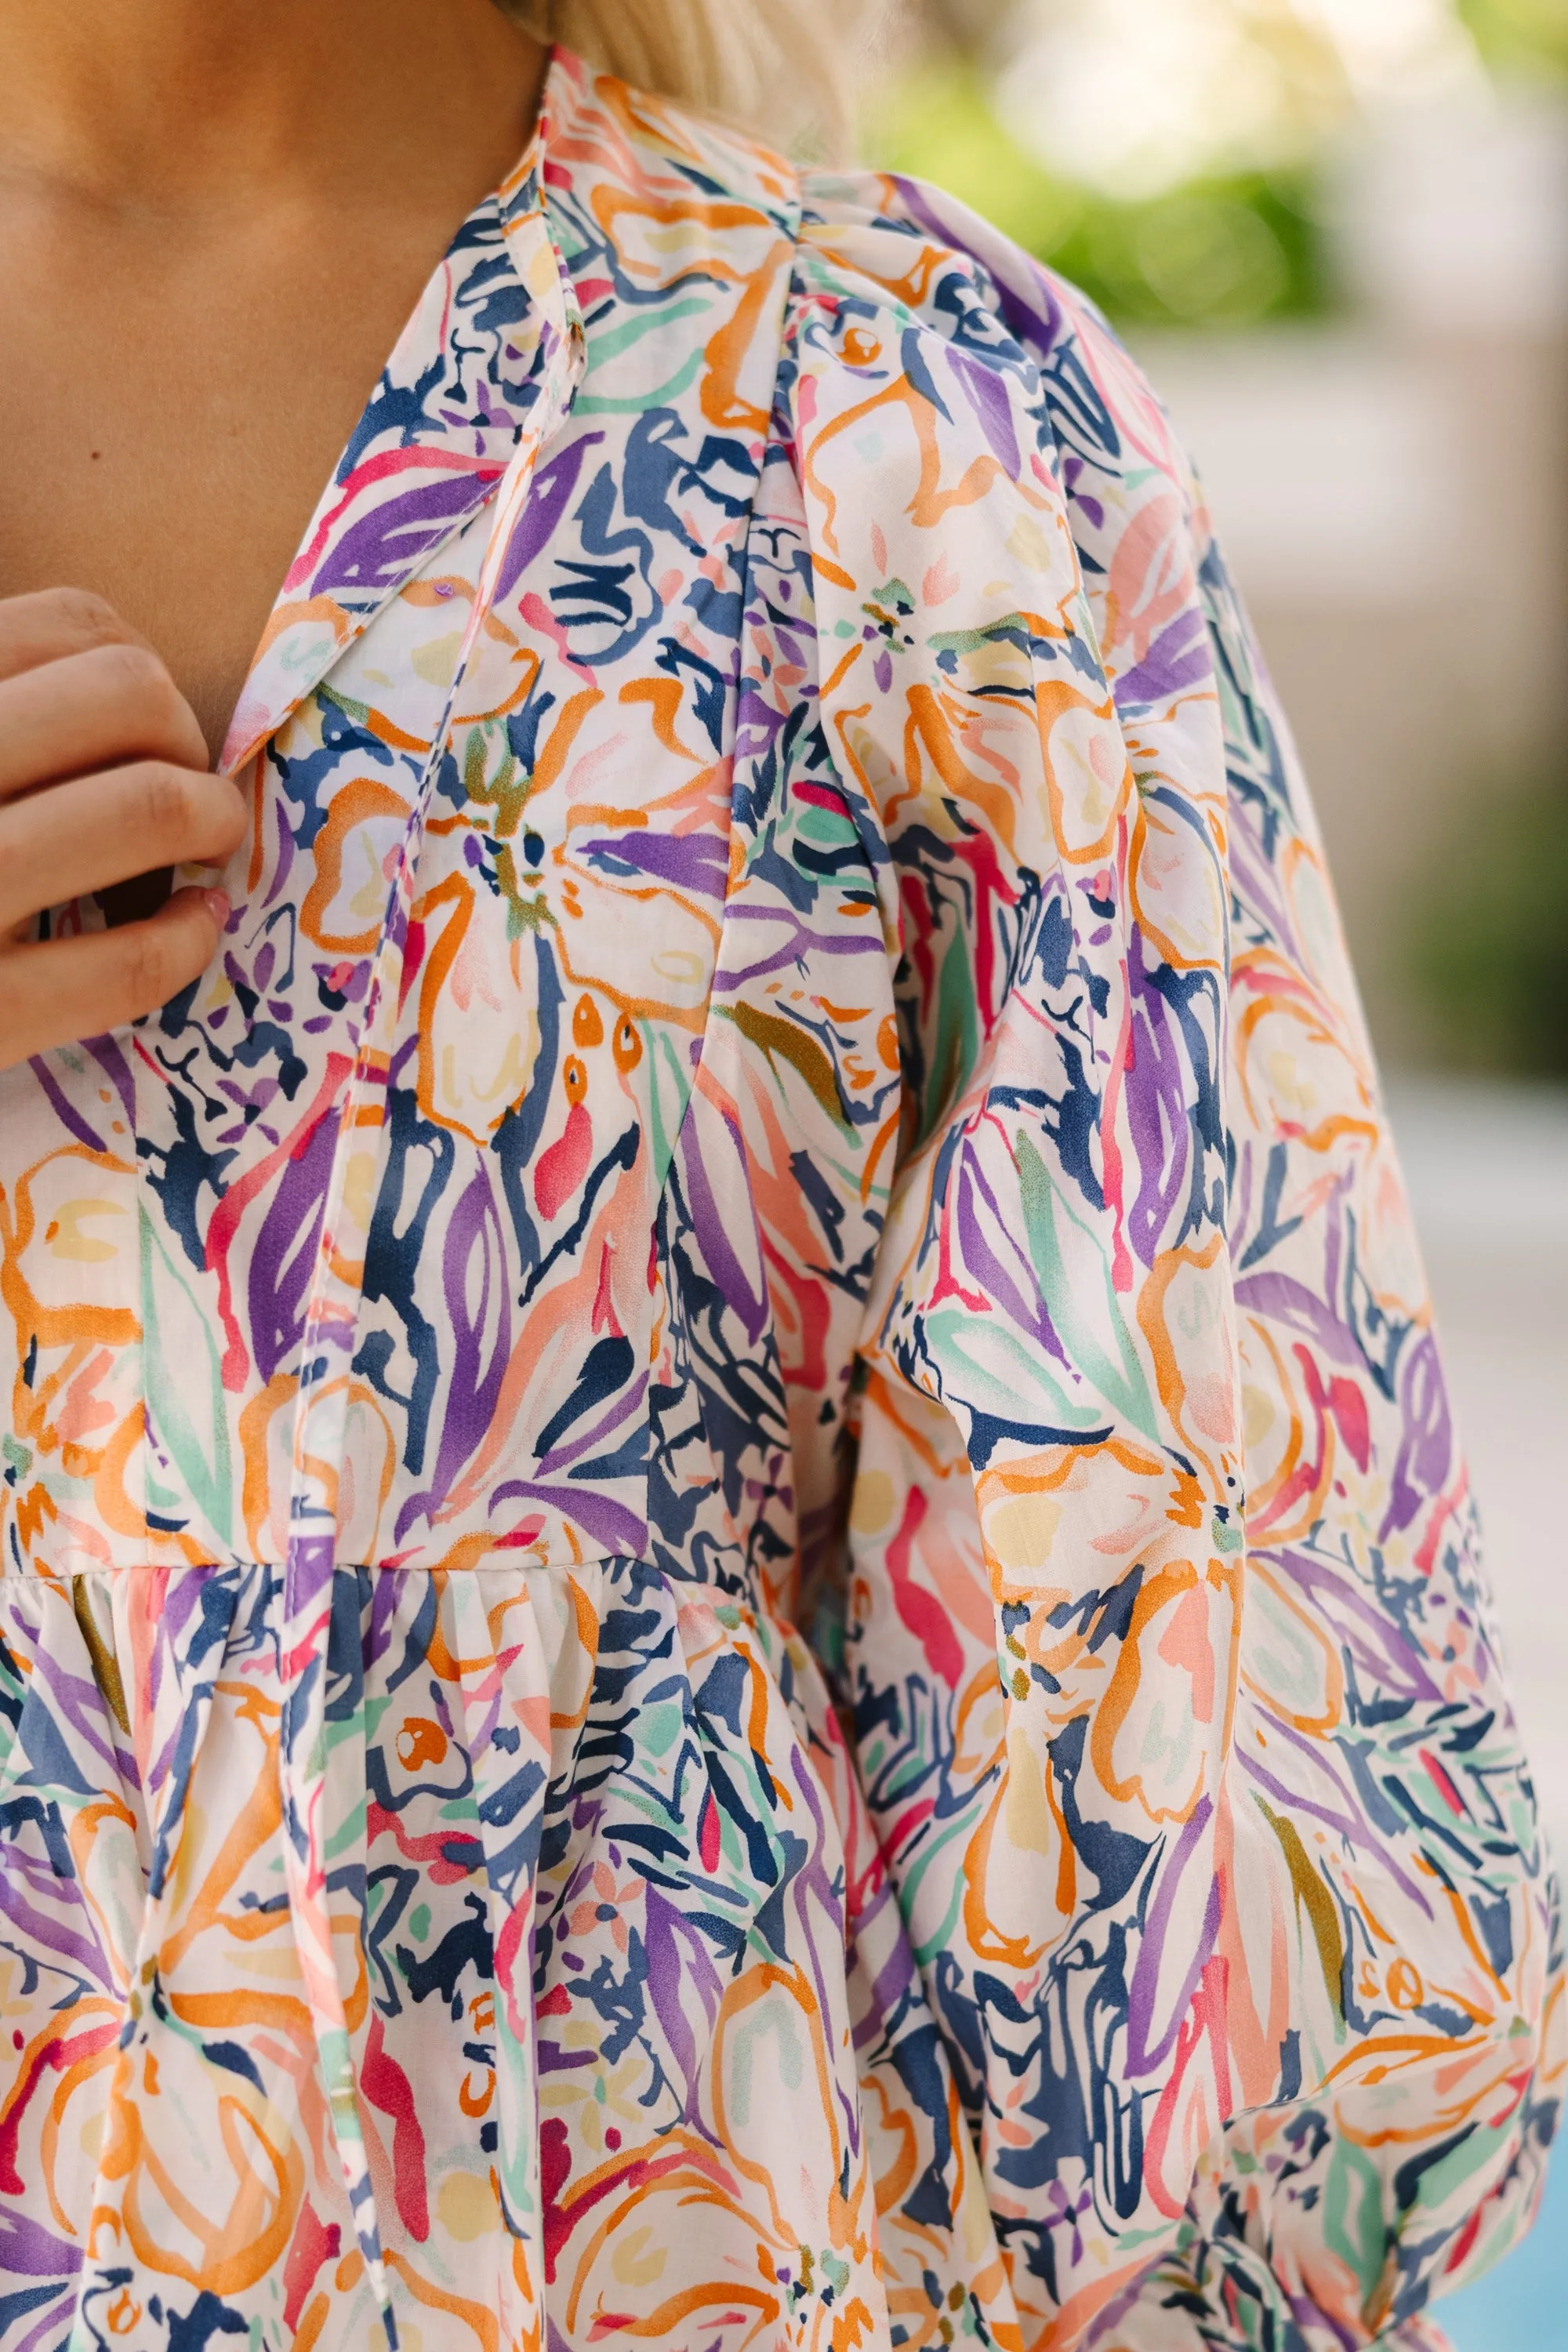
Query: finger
(60, 989)
(55, 622)
(94, 710)
(95, 829)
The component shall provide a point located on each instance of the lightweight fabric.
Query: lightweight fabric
(738, 1609)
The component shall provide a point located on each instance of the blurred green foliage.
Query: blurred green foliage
(1223, 252)
(1489, 945)
(1521, 35)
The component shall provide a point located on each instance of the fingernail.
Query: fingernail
(218, 907)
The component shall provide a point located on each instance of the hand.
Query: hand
(103, 777)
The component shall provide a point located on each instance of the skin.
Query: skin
(214, 224)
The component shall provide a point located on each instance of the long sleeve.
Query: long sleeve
(1174, 1693)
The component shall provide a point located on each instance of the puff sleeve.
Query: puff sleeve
(1167, 1649)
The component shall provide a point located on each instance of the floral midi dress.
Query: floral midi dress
(737, 1610)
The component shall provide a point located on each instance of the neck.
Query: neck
(178, 107)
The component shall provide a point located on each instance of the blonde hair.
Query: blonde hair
(775, 65)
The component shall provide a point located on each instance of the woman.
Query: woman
(773, 1050)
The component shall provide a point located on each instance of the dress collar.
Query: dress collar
(418, 466)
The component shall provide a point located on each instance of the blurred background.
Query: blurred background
(1336, 231)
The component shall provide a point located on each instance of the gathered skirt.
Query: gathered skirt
(603, 1860)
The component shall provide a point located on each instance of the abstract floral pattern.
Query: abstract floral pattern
(739, 1610)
